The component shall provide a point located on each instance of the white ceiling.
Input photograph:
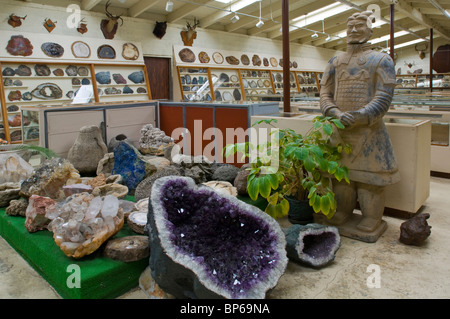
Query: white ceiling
(413, 18)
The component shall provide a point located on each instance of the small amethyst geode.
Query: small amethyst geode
(210, 245)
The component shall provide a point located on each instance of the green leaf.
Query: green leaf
(332, 166)
(327, 128)
(338, 124)
(312, 198)
(265, 186)
(316, 205)
(301, 153)
(348, 148)
(273, 180)
(325, 204)
(309, 164)
(253, 188)
(228, 150)
(284, 207)
(323, 164)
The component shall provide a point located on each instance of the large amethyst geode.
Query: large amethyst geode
(209, 245)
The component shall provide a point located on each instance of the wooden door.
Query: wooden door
(158, 70)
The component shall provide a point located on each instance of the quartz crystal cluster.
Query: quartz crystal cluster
(82, 222)
(224, 247)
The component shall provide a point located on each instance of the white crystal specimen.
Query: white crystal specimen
(110, 206)
(94, 208)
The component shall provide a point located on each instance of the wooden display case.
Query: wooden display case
(55, 84)
(441, 81)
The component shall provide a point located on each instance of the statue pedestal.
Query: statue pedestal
(350, 230)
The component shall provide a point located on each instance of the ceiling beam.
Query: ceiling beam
(140, 7)
(186, 10)
(416, 15)
(89, 4)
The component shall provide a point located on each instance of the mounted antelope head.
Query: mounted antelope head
(15, 21)
(109, 26)
(189, 34)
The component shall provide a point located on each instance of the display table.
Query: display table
(100, 277)
(410, 139)
(58, 126)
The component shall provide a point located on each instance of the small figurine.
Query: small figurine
(49, 25)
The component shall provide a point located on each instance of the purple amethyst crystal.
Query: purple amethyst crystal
(210, 245)
(312, 244)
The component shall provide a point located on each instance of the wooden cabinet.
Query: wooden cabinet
(36, 84)
(60, 126)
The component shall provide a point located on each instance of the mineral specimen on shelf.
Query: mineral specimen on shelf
(130, 51)
(17, 83)
(49, 178)
(144, 188)
(8, 192)
(17, 207)
(36, 211)
(103, 77)
(8, 72)
(76, 81)
(112, 91)
(119, 79)
(415, 230)
(222, 187)
(13, 168)
(18, 45)
(72, 70)
(82, 223)
(85, 81)
(87, 150)
(52, 49)
(7, 82)
(127, 90)
(137, 221)
(232, 60)
(114, 189)
(76, 188)
(27, 96)
(200, 240)
(186, 55)
(128, 162)
(137, 77)
(127, 249)
(42, 70)
(141, 90)
(58, 72)
(313, 244)
(153, 140)
(106, 52)
(47, 91)
(15, 120)
(203, 57)
(14, 95)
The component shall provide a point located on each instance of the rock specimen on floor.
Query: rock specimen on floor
(137, 221)
(117, 190)
(144, 188)
(17, 207)
(87, 150)
(240, 181)
(153, 140)
(8, 192)
(150, 287)
(48, 180)
(313, 244)
(225, 172)
(415, 230)
(106, 164)
(222, 187)
(127, 249)
(82, 223)
(128, 163)
(36, 211)
(207, 245)
(13, 168)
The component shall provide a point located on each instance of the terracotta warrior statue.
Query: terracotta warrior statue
(357, 88)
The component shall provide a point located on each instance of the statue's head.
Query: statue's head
(359, 27)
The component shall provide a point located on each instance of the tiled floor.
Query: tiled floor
(404, 271)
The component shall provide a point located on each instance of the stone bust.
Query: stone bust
(357, 87)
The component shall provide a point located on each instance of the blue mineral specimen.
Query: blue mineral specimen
(103, 77)
(127, 90)
(137, 77)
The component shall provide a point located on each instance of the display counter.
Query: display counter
(410, 141)
(205, 128)
(57, 127)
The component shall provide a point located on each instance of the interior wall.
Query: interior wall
(140, 30)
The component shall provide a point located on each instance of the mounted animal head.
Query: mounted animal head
(421, 47)
(160, 29)
(15, 21)
(189, 34)
(82, 27)
(109, 26)
(49, 24)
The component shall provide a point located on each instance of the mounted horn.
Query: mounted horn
(189, 34)
(109, 26)
(421, 48)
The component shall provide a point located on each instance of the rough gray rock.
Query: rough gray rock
(144, 188)
(226, 172)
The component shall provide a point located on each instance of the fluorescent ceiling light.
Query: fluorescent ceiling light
(320, 14)
(401, 45)
(388, 36)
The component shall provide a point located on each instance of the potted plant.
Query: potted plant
(293, 166)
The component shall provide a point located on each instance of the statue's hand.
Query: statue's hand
(360, 118)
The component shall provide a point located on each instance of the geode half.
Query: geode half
(209, 245)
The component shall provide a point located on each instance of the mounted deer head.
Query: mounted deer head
(109, 26)
(160, 29)
(409, 64)
(421, 47)
(15, 21)
(190, 34)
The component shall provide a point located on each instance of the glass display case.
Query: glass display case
(255, 83)
(194, 84)
(226, 85)
(308, 83)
